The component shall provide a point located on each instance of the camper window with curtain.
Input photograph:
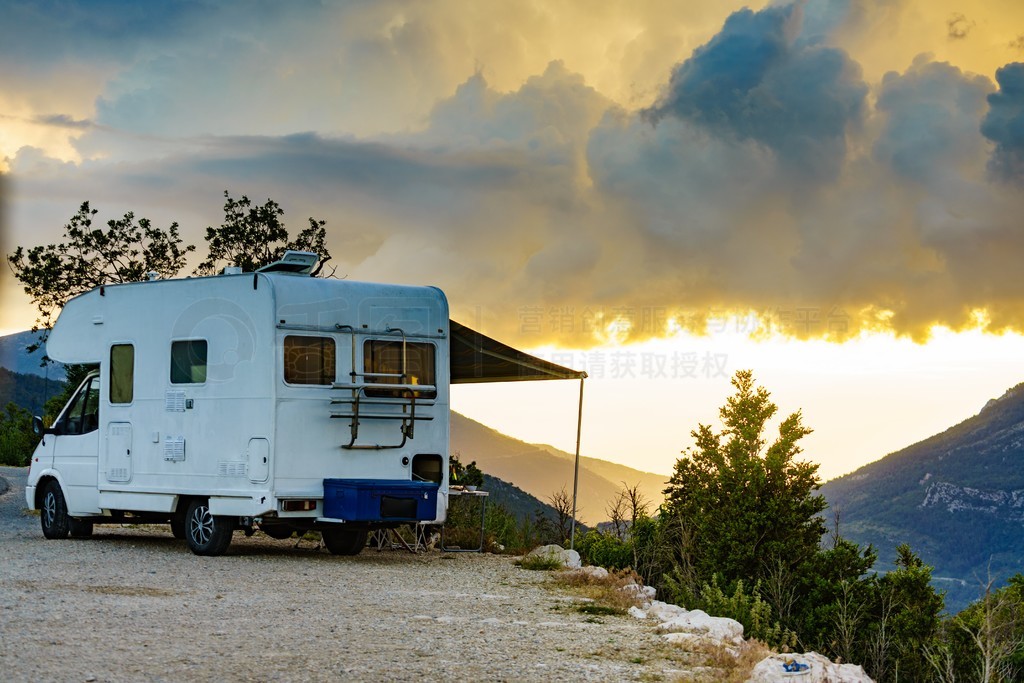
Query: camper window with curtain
(122, 373)
(309, 360)
(384, 356)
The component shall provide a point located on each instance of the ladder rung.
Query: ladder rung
(382, 386)
(382, 416)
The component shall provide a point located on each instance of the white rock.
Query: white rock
(567, 558)
(637, 613)
(663, 611)
(700, 623)
(820, 670)
(645, 593)
(594, 572)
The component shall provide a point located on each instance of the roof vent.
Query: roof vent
(294, 262)
(152, 275)
(231, 270)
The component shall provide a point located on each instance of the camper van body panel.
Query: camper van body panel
(209, 412)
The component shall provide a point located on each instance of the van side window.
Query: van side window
(122, 373)
(309, 360)
(188, 361)
(82, 415)
(384, 357)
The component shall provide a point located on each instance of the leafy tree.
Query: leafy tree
(985, 642)
(91, 256)
(911, 609)
(742, 499)
(17, 440)
(253, 236)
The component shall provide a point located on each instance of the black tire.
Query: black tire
(345, 541)
(204, 533)
(178, 525)
(79, 528)
(278, 531)
(53, 513)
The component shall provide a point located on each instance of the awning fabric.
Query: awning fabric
(477, 358)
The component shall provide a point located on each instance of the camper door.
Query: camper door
(76, 446)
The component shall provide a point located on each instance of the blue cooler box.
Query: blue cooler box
(380, 500)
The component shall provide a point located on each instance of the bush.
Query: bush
(605, 550)
(17, 440)
(747, 608)
(540, 562)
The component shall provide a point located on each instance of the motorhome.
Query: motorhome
(270, 400)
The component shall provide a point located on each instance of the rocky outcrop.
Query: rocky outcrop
(819, 669)
(1008, 505)
(568, 558)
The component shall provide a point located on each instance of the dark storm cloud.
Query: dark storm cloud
(63, 121)
(1004, 123)
(758, 80)
(46, 31)
(931, 115)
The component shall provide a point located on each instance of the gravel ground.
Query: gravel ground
(134, 604)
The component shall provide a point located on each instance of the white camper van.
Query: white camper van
(270, 399)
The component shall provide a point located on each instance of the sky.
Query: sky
(827, 192)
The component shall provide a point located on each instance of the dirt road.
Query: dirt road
(134, 604)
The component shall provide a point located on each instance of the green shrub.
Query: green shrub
(17, 440)
(540, 562)
(747, 608)
(605, 550)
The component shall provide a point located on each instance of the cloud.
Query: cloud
(930, 114)
(62, 121)
(1004, 123)
(958, 26)
(756, 80)
(763, 178)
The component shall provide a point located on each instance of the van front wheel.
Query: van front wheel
(54, 513)
(204, 533)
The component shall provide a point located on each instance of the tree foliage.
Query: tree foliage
(253, 236)
(17, 440)
(125, 251)
(742, 498)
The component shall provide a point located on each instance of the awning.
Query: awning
(477, 358)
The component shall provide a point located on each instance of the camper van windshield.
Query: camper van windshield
(384, 357)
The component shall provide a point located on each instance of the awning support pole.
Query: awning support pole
(576, 469)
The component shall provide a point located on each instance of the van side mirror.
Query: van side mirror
(40, 430)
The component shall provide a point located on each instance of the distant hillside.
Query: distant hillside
(517, 501)
(13, 356)
(957, 498)
(28, 391)
(543, 470)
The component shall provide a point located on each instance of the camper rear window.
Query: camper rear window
(309, 360)
(122, 373)
(384, 357)
(188, 361)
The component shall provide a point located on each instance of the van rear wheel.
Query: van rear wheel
(345, 541)
(54, 512)
(204, 533)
